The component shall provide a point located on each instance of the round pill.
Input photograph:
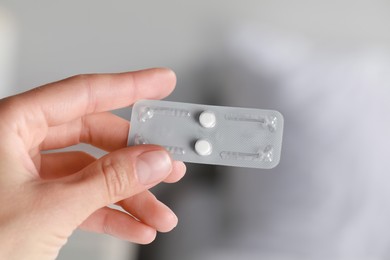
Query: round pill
(203, 147)
(207, 119)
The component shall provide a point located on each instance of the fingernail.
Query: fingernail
(153, 166)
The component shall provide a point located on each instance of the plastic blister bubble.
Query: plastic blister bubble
(231, 136)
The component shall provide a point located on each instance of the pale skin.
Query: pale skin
(45, 197)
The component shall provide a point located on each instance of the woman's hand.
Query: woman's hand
(46, 196)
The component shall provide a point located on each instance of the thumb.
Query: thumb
(118, 175)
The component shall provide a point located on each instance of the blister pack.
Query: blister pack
(231, 136)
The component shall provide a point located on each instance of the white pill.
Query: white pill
(207, 119)
(203, 147)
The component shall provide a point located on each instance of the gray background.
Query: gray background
(57, 39)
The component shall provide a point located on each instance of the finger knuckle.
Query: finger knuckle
(107, 228)
(86, 81)
(115, 178)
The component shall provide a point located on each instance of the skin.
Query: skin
(46, 196)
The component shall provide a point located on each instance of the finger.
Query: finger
(57, 165)
(69, 99)
(116, 176)
(149, 210)
(178, 172)
(119, 224)
(103, 130)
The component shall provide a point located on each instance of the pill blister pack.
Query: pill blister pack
(231, 136)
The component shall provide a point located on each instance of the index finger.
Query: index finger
(71, 98)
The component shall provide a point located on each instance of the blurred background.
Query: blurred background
(324, 64)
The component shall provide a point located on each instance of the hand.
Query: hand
(45, 196)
